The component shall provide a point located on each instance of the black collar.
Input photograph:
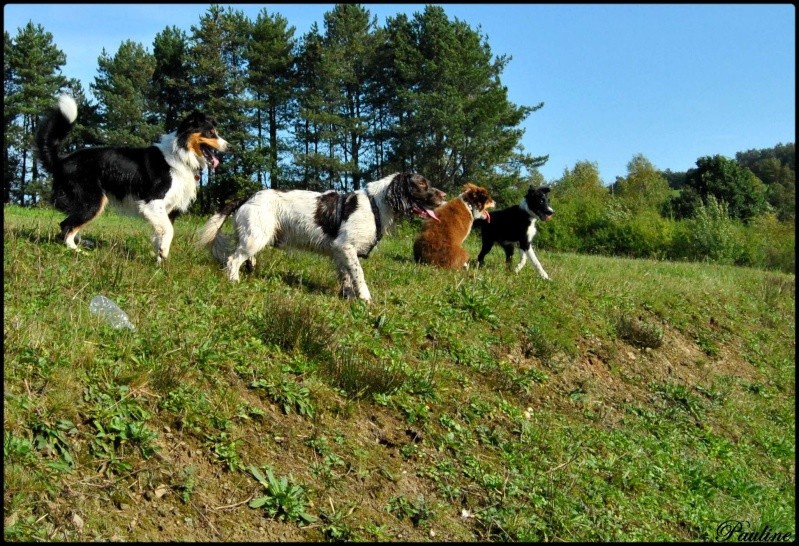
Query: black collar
(378, 225)
(376, 212)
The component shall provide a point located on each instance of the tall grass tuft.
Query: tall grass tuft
(639, 332)
(296, 326)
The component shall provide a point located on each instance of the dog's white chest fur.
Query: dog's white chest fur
(531, 231)
(184, 168)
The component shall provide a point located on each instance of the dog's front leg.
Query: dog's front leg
(533, 258)
(351, 274)
(155, 213)
(345, 279)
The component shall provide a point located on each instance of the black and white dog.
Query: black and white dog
(158, 181)
(344, 226)
(516, 226)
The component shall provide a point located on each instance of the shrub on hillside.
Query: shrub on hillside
(770, 244)
(644, 234)
(711, 235)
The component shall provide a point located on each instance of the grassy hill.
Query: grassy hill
(623, 400)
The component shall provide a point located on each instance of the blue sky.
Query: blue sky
(673, 82)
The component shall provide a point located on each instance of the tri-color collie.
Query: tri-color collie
(441, 243)
(515, 226)
(344, 226)
(158, 182)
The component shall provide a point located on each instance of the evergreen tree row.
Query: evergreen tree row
(333, 109)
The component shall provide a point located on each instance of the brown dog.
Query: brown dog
(441, 243)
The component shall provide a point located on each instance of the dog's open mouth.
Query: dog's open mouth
(486, 216)
(424, 213)
(211, 155)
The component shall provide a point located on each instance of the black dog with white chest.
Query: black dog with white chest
(515, 226)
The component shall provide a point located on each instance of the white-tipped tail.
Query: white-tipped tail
(210, 233)
(68, 107)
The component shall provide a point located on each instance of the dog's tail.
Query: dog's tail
(53, 130)
(211, 233)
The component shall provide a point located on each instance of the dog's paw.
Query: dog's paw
(348, 293)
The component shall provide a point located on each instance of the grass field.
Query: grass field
(623, 400)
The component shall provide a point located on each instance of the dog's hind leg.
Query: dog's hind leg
(460, 259)
(255, 231)
(79, 218)
(244, 254)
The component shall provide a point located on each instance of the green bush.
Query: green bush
(711, 235)
(770, 244)
(644, 234)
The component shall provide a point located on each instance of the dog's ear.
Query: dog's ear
(195, 120)
(418, 180)
(487, 201)
(544, 189)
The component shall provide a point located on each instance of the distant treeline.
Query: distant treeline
(351, 101)
(720, 211)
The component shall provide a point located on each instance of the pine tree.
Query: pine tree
(171, 82)
(219, 70)
(122, 89)
(32, 66)
(271, 56)
(454, 108)
(350, 46)
(316, 165)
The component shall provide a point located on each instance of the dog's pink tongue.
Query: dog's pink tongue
(487, 216)
(432, 215)
(214, 163)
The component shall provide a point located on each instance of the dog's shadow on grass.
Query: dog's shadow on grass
(130, 250)
(35, 236)
(401, 258)
(305, 283)
(39, 237)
